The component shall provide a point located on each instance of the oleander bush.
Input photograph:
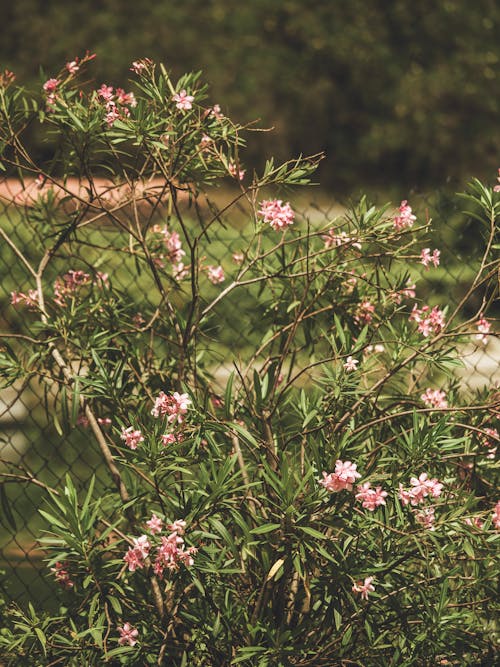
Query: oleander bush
(328, 497)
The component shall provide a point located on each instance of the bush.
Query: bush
(333, 502)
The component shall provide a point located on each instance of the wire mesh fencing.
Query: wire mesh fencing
(36, 452)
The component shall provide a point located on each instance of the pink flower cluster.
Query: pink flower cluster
(50, 89)
(6, 78)
(350, 364)
(30, 299)
(371, 498)
(171, 438)
(67, 286)
(131, 437)
(171, 552)
(364, 588)
(428, 321)
(175, 406)
(276, 214)
(137, 554)
(486, 442)
(116, 103)
(364, 313)
(407, 292)
(215, 274)
(344, 476)
(175, 253)
(496, 516)
(426, 258)
(155, 524)
(235, 172)
(405, 218)
(128, 635)
(183, 101)
(61, 575)
(83, 420)
(434, 398)
(334, 240)
(138, 66)
(483, 327)
(421, 487)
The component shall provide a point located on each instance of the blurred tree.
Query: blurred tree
(394, 92)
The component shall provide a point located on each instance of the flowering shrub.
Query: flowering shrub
(332, 500)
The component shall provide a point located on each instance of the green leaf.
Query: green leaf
(266, 528)
(312, 532)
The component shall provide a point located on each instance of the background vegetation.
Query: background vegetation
(399, 94)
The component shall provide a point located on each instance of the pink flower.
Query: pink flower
(105, 92)
(405, 218)
(138, 66)
(364, 588)
(426, 517)
(178, 526)
(131, 437)
(434, 398)
(496, 516)
(184, 102)
(101, 279)
(423, 487)
(174, 406)
(124, 98)
(276, 214)
(170, 438)
(235, 172)
(30, 299)
(50, 86)
(69, 285)
(82, 420)
(428, 321)
(128, 635)
(475, 521)
(483, 327)
(172, 552)
(426, 258)
(205, 142)
(73, 67)
(364, 313)
(155, 524)
(371, 498)
(112, 113)
(497, 187)
(61, 575)
(104, 421)
(215, 274)
(407, 292)
(350, 364)
(486, 442)
(179, 271)
(6, 78)
(343, 477)
(134, 559)
(332, 239)
(405, 496)
(142, 546)
(238, 257)
(214, 111)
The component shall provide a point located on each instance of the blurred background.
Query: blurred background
(402, 96)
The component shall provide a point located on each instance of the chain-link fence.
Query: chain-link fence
(34, 446)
